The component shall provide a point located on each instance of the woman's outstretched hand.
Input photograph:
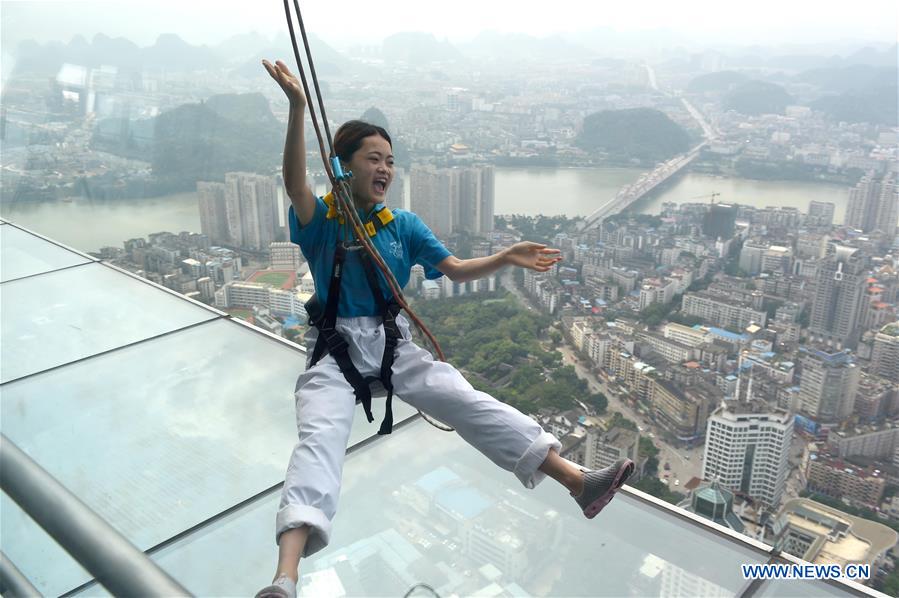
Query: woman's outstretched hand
(288, 82)
(532, 255)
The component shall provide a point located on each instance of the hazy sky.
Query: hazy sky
(346, 21)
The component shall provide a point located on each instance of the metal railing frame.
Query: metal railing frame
(114, 562)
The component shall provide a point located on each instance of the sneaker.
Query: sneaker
(600, 486)
(283, 587)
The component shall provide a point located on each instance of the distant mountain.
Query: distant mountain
(239, 48)
(610, 41)
(758, 97)
(169, 52)
(418, 48)
(517, 46)
(638, 133)
(874, 104)
(718, 81)
(858, 93)
(848, 78)
(756, 57)
(328, 61)
(400, 152)
(374, 116)
(248, 108)
(224, 134)
(873, 57)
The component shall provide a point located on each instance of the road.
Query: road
(684, 463)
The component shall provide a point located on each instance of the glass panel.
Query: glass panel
(162, 435)
(24, 254)
(447, 517)
(62, 316)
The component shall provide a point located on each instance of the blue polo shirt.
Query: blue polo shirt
(402, 243)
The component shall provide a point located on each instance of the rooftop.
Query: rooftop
(842, 538)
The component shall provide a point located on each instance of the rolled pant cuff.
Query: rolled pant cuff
(293, 516)
(526, 469)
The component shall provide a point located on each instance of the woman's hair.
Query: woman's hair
(349, 137)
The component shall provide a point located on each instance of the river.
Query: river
(90, 224)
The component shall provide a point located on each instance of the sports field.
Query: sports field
(276, 279)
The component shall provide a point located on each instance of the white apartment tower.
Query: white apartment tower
(747, 446)
(838, 297)
(885, 356)
(454, 199)
(874, 203)
(829, 384)
(253, 204)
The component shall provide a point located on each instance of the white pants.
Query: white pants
(325, 405)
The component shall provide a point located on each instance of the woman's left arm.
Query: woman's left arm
(525, 254)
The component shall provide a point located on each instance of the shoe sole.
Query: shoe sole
(624, 472)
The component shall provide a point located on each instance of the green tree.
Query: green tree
(891, 583)
(599, 402)
(654, 486)
(618, 420)
(647, 448)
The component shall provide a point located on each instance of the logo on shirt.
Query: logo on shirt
(396, 249)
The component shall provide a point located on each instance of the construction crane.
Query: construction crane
(713, 195)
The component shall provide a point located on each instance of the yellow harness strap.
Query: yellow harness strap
(382, 217)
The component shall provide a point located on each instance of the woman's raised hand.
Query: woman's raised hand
(532, 255)
(288, 82)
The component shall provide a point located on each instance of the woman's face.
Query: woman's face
(372, 167)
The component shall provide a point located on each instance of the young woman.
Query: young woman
(325, 400)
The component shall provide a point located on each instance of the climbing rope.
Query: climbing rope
(343, 192)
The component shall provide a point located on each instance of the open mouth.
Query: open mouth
(380, 186)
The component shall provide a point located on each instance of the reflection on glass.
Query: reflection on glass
(62, 316)
(159, 436)
(445, 516)
(24, 254)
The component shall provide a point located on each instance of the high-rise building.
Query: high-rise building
(746, 449)
(885, 354)
(601, 448)
(285, 256)
(828, 385)
(874, 203)
(719, 221)
(751, 256)
(396, 193)
(476, 199)
(820, 214)
(213, 212)
(838, 298)
(435, 197)
(720, 311)
(253, 206)
(454, 199)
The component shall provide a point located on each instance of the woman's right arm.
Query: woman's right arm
(294, 167)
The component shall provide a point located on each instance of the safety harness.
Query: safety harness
(331, 341)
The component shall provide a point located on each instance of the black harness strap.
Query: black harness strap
(389, 312)
(330, 340)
